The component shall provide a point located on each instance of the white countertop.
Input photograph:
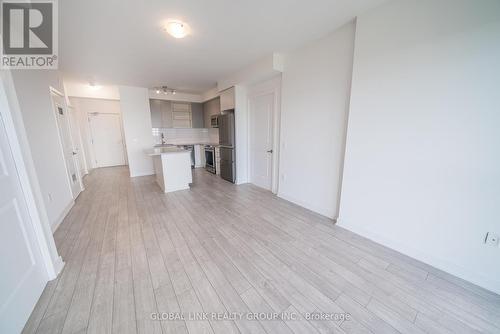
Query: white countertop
(165, 150)
(188, 144)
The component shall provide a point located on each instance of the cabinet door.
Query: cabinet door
(181, 115)
(199, 156)
(227, 99)
(156, 113)
(166, 109)
(197, 115)
(181, 107)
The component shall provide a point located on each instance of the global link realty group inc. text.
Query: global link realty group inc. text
(259, 316)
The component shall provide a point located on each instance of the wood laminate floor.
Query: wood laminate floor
(232, 256)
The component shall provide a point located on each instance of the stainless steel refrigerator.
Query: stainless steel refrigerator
(226, 145)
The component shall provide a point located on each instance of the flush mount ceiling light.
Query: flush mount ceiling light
(93, 85)
(177, 29)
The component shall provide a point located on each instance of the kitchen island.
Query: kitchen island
(172, 168)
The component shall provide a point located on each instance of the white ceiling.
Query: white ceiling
(121, 41)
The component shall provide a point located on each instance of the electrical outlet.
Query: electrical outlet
(491, 239)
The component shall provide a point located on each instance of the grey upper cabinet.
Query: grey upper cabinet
(181, 115)
(197, 115)
(156, 113)
(166, 114)
(173, 114)
(161, 113)
(210, 108)
(227, 99)
(169, 114)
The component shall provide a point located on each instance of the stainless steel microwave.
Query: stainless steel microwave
(214, 121)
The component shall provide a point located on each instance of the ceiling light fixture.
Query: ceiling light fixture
(177, 29)
(165, 90)
(93, 85)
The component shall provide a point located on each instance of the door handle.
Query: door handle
(270, 151)
(74, 153)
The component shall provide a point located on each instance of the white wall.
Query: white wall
(258, 71)
(136, 115)
(81, 89)
(33, 93)
(315, 96)
(422, 159)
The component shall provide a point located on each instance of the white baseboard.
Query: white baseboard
(432, 260)
(322, 211)
(142, 174)
(58, 267)
(177, 188)
(61, 217)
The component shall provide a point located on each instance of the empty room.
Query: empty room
(278, 166)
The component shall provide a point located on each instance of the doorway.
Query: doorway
(69, 149)
(263, 109)
(107, 139)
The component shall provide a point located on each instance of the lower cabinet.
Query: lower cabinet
(199, 156)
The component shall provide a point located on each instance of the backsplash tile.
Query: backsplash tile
(186, 136)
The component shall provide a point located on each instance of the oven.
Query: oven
(210, 158)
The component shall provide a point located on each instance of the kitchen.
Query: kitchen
(190, 135)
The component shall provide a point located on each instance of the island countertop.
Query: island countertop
(165, 150)
(172, 167)
(203, 143)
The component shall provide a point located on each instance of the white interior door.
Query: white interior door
(22, 272)
(107, 139)
(69, 151)
(77, 141)
(261, 110)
